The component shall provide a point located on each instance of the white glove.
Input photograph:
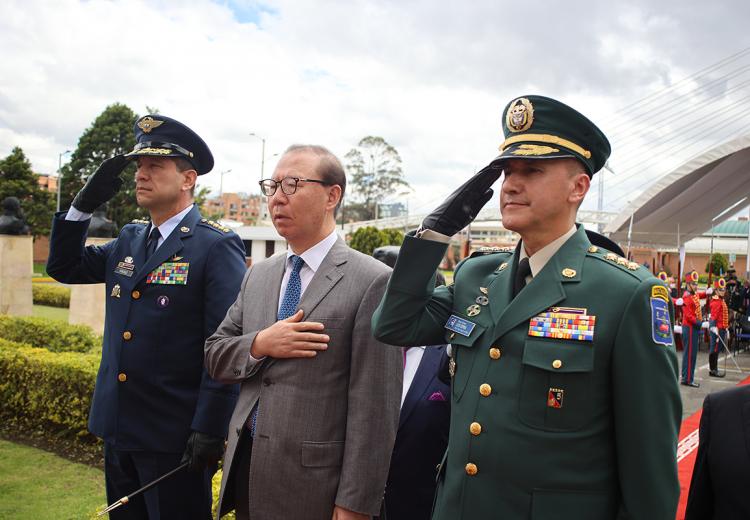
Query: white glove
(710, 291)
(704, 325)
(679, 302)
(714, 330)
(678, 329)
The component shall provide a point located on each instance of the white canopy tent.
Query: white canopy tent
(688, 200)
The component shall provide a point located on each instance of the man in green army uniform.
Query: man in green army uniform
(565, 402)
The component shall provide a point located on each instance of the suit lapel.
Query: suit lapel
(546, 289)
(426, 372)
(273, 286)
(326, 277)
(171, 246)
(746, 421)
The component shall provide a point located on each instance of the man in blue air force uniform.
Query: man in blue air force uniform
(169, 283)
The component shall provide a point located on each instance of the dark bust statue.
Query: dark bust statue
(12, 221)
(101, 226)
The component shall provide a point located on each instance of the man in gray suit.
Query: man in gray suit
(313, 430)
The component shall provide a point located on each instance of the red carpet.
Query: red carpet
(687, 449)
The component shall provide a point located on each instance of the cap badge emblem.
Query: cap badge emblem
(148, 123)
(520, 115)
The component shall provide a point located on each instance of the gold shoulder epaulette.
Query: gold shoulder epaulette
(215, 225)
(140, 221)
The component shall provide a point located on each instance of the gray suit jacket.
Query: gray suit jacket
(326, 425)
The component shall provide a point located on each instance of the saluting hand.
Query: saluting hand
(290, 338)
(101, 185)
(463, 205)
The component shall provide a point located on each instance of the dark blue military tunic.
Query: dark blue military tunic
(152, 389)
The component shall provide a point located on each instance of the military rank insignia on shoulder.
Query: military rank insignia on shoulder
(661, 325)
(140, 221)
(215, 225)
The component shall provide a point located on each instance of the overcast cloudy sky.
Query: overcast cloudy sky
(431, 77)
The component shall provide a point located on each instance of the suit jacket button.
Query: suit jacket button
(475, 428)
(485, 389)
(495, 353)
(556, 363)
(135, 294)
(127, 335)
(471, 469)
(122, 377)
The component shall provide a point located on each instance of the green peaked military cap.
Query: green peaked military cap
(538, 127)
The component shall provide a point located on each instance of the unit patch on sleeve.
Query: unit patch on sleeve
(661, 326)
(169, 273)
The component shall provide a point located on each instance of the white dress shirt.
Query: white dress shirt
(412, 358)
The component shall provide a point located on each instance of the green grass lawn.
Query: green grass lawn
(39, 269)
(53, 313)
(38, 485)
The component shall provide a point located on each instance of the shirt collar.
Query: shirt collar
(538, 260)
(166, 227)
(314, 256)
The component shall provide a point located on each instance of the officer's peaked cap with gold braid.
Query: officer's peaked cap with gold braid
(161, 136)
(538, 127)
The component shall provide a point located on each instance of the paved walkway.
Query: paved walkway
(692, 398)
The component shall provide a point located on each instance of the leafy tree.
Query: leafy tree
(720, 264)
(366, 239)
(111, 133)
(374, 169)
(18, 180)
(392, 237)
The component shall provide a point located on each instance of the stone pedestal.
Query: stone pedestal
(16, 267)
(88, 301)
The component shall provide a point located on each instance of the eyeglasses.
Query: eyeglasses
(288, 185)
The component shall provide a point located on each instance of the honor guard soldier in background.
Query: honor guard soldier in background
(565, 402)
(719, 323)
(692, 321)
(169, 283)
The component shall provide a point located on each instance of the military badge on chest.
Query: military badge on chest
(555, 398)
(126, 267)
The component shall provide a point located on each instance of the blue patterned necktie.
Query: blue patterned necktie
(288, 308)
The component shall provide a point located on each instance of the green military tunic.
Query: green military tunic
(582, 426)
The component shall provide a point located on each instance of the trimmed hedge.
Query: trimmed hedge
(52, 295)
(49, 334)
(46, 391)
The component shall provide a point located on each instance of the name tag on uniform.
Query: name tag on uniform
(459, 325)
(563, 323)
(169, 273)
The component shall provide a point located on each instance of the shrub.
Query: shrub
(50, 294)
(49, 334)
(367, 239)
(43, 390)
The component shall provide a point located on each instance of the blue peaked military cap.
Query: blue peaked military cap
(161, 136)
(538, 127)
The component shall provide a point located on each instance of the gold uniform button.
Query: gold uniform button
(471, 469)
(475, 428)
(122, 378)
(495, 353)
(485, 389)
(135, 294)
(127, 335)
(556, 363)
